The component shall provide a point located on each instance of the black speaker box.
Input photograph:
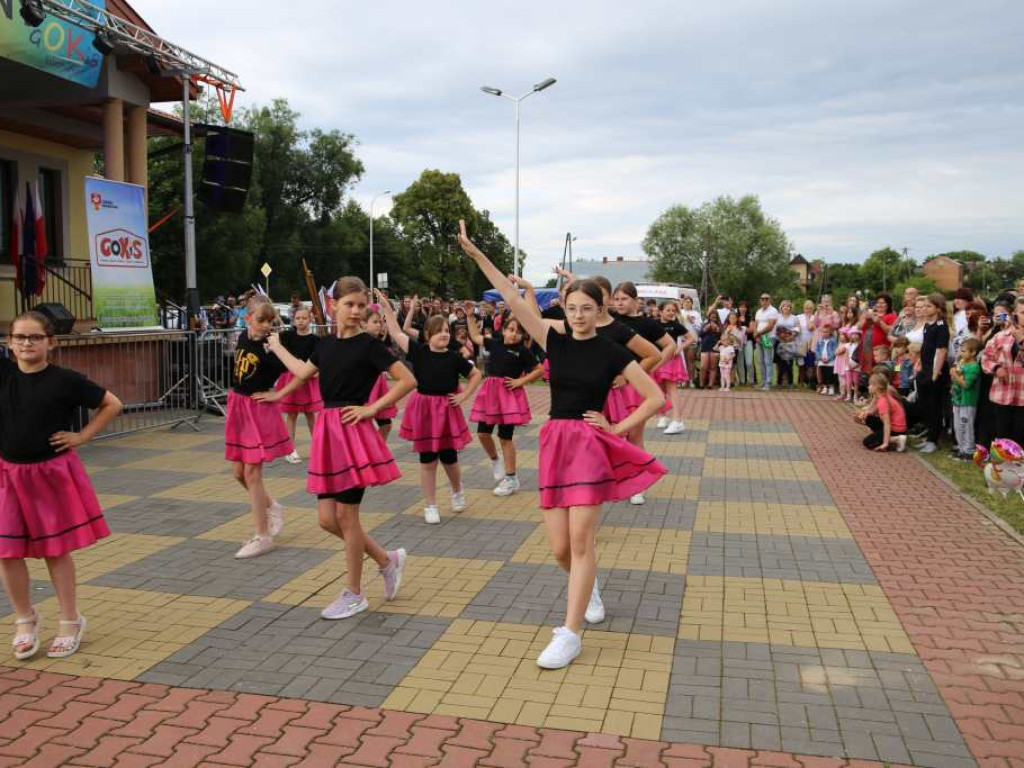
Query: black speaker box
(63, 321)
(227, 169)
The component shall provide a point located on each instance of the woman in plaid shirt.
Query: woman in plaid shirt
(1003, 359)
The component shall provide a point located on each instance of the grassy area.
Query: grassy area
(969, 479)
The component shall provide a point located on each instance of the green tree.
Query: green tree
(883, 269)
(747, 250)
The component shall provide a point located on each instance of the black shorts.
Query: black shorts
(383, 422)
(348, 496)
(446, 455)
(505, 431)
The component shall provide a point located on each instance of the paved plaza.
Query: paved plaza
(784, 597)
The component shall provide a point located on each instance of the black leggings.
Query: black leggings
(446, 455)
(348, 496)
(877, 426)
(505, 431)
(382, 422)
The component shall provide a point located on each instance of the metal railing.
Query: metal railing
(68, 282)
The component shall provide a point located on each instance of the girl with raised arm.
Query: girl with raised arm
(433, 419)
(348, 454)
(502, 400)
(583, 459)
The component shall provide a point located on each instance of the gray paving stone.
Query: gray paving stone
(674, 514)
(767, 491)
(142, 482)
(171, 517)
(456, 536)
(760, 452)
(208, 568)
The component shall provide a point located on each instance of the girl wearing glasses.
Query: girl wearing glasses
(48, 507)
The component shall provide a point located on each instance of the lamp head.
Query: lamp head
(103, 43)
(32, 12)
(544, 84)
(492, 91)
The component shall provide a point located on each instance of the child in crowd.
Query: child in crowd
(844, 363)
(885, 416)
(880, 357)
(306, 399)
(726, 358)
(825, 357)
(966, 375)
(908, 369)
(48, 507)
(900, 356)
(375, 326)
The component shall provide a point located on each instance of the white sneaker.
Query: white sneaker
(459, 503)
(663, 422)
(275, 518)
(254, 547)
(675, 428)
(509, 484)
(293, 458)
(637, 499)
(831, 391)
(563, 648)
(927, 447)
(497, 469)
(432, 514)
(595, 608)
(900, 441)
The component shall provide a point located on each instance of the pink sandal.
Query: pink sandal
(27, 638)
(65, 645)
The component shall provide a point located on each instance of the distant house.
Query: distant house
(617, 269)
(947, 273)
(806, 272)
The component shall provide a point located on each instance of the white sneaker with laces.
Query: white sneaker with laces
(637, 499)
(563, 648)
(675, 428)
(432, 514)
(254, 547)
(663, 422)
(459, 503)
(509, 484)
(595, 608)
(275, 518)
(293, 458)
(831, 390)
(497, 469)
(900, 441)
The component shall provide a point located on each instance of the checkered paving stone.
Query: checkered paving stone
(290, 651)
(646, 602)
(202, 567)
(741, 615)
(778, 557)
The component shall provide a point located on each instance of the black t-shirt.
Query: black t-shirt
(936, 337)
(349, 368)
(617, 332)
(300, 346)
(645, 326)
(673, 328)
(710, 335)
(554, 312)
(582, 372)
(512, 361)
(35, 405)
(437, 373)
(255, 368)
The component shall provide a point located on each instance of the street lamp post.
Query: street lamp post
(374, 200)
(498, 92)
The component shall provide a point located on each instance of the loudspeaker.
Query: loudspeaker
(63, 321)
(227, 169)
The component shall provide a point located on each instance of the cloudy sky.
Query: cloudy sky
(859, 125)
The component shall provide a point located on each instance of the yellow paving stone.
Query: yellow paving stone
(431, 586)
(771, 519)
(182, 461)
(741, 437)
(223, 489)
(689, 449)
(301, 529)
(644, 549)
(760, 469)
(791, 612)
(598, 691)
(111, 500)
(166, 440)
(130, 631)
(109, 554)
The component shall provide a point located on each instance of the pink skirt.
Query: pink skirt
(380, 388)
(48, 508)
(345, 456)
(254, 431)
(305, 399)
(581, 465)
(547, 370)
(496, 404)
(433, 424)
(674, 371)
(621, 402)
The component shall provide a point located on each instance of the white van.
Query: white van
(665, 291)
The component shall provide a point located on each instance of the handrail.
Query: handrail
(51, 269)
